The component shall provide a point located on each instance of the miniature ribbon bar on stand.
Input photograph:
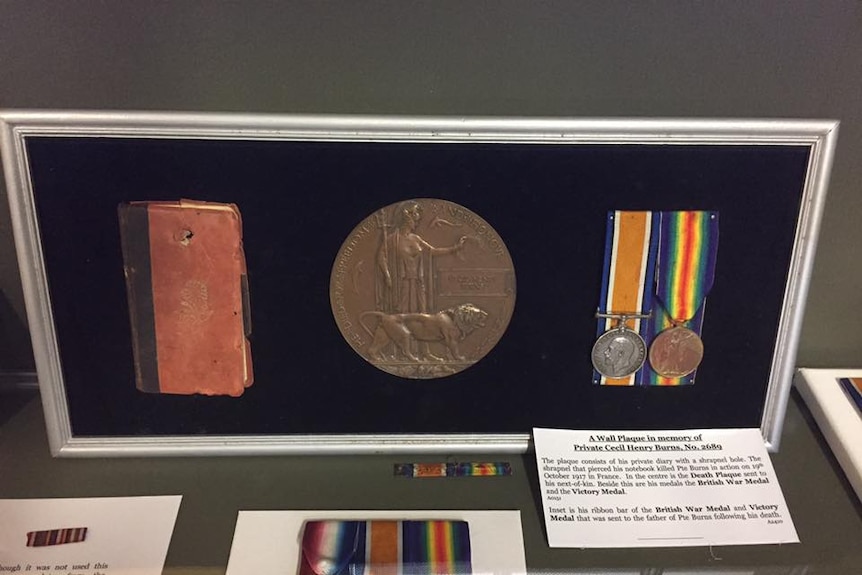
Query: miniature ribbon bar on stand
(489, 469)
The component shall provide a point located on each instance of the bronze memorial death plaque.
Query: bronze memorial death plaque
(423, 288)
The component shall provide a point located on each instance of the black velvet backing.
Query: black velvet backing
(299, 200)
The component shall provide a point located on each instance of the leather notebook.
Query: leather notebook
(188, 297)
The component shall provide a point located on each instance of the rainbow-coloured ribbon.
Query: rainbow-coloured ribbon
(386, 548)
(685, 271)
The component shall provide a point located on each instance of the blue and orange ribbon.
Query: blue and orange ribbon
(853, 387)
(631, 245)
(685, 271)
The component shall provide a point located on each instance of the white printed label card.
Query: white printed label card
(660, 488)
(87, 536)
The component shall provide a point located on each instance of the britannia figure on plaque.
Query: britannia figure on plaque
(404, 261)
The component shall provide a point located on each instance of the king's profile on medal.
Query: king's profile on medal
(619, 352)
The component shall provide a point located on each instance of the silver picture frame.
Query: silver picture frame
(16, 126)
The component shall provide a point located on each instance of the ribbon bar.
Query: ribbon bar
(56, 536)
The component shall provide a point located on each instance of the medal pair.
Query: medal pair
(658, 269)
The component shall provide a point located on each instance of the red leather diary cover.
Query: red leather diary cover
(188, 297)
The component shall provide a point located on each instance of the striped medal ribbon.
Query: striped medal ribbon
(466, 469)
(688, 246)
(853, 387)
(631, 244)
(56, 536)
(385, 548)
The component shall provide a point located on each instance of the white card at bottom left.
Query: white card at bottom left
(92, 536)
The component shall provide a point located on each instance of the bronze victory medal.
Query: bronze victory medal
(423, 288)
(676, 352)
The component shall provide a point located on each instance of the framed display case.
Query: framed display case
(355, 237)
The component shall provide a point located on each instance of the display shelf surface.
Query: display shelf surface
(825, 510)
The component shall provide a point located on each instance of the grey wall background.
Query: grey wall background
(609, 59)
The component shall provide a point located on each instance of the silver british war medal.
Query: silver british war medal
(621, 351)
